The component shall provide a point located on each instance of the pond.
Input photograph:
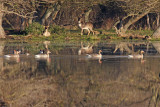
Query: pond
(68, 77)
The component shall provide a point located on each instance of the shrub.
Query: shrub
(35, 29)
(57, 29)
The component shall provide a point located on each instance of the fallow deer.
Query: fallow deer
(85, 25)
(46, 32)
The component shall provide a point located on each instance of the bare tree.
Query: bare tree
(135, 10)
(22, 8)
(2, 33)
(53, 7)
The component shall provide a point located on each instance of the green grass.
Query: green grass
(59, 33)
(141, 32)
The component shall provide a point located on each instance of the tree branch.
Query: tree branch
(27, 15)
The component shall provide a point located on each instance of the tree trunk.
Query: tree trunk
(87, 15)
(54, 14)
(157, 19)
(7, 21)
(156, 34)
(2, 33)
(46, 15)
(2, 45)
(133, 20)
(122, 31)
(30, 20)
(148, 23)
(49, 13)
(156, 46)
(23, 21)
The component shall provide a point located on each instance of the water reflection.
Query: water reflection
(68, 79)
(85, 49)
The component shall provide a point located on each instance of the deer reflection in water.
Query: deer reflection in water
(88, 50)
(122, 46)
(85, 50)
(130, 49)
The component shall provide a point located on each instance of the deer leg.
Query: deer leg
(82, 32)
(93, 32)
(81, 45)
(89, 31)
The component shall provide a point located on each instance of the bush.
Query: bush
(35, 29)
(57, 29)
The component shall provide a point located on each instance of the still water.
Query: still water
(69, 78)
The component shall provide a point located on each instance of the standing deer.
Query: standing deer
(85, 25)
(46, 33)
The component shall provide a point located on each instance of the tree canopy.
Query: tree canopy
(132, 10)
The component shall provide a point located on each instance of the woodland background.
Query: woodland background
(104, 14)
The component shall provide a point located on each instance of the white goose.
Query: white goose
(42, 55)
(137, 56)
(15, 54)
(99, 55)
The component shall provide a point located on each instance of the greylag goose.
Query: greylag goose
(42, 55)
(137, 56)
(99, 55)
(15, 54)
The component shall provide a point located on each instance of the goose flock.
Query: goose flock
(44, 54)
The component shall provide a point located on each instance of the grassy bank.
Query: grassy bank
(35, 32)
